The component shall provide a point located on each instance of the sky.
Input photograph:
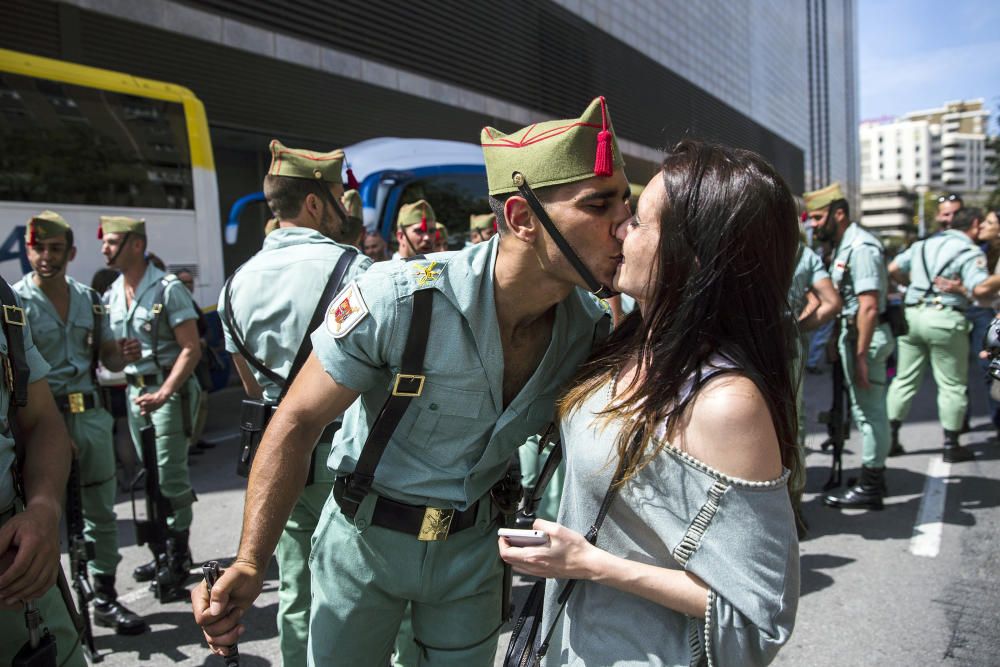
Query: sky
(918, 54)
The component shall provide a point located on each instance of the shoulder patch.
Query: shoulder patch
(426, 273)
(346, 311)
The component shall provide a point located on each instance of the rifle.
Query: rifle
(153, 529)
(40, 650)
(838, 425)
(81, 551)
(212, 573)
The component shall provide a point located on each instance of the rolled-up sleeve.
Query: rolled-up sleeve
(358, 358)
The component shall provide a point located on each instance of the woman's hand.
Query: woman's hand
(567, 555)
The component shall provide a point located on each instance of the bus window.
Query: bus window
(80, 145)
(454, 198)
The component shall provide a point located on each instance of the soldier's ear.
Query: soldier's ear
(521, 223)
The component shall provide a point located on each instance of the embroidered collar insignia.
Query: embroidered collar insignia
(426, 274)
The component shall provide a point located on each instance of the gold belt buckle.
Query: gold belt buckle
(76, 405)
(435, 525)
(396, 391)
(140, 380)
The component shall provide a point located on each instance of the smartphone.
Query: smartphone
(523, 538)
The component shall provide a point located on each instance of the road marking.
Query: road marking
(926, 540)
(135, 596)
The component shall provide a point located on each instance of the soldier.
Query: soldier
(157, 316)
(938, 330)
(259, 319)
(440, 237)
(865, 340)
(29, 515)
(457, 361)
(482, 227)
(415, 229)
(71, 333)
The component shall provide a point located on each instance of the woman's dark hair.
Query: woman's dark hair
(727, 248)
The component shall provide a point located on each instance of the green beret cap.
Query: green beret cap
(483, 221)
(121, 224)
(417, 213)
(553, 152)
(352, 202)
(44, 226)
(819, 199)
(299, 163)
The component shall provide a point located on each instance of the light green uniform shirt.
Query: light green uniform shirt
(275, 293)
(137, 321)
(808, 272)
(455, 440)
(37, 368)
(950, 254)
(67, 346)
(860, 257)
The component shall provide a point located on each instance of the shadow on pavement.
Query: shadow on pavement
(811, 566)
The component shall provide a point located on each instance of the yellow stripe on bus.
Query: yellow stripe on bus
(25, 64)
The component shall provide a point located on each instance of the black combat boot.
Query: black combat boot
(954, 452)
(173, 569)
(895, 449)
(147, 571)
(866, 494)
(110, 613)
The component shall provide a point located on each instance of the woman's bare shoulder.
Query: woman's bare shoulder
(729, 428)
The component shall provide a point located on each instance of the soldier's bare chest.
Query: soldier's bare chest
(523, 351)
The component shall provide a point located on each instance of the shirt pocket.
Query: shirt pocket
(81, 335)
(446, 422)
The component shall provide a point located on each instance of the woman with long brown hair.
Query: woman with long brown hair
(691, 398)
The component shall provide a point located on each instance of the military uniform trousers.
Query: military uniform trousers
(868, 406)
(171, 446)
(364, 576)
(294, 580)
(13, 633)
(939, 337)
(91, 431)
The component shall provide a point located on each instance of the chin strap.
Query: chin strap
(121, 247)
(325, 190)
(595, 287)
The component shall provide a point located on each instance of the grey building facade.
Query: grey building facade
(324, 74)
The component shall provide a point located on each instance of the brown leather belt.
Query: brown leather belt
(76, 403)
(427, 523)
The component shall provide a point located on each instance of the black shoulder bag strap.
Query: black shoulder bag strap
(333, 285)
(16, 372)
(407, 385)
(591, 535)
(97, 306)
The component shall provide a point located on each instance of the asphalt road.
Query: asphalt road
(868, 598)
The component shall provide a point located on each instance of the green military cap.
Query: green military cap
(417, 213)
(553, 152)
(482, 221)
(121, 224)
(818, 199)
(299, 163)
(441, 231)
(352, 202)
(45, 225)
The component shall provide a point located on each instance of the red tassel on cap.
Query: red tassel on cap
(604, 160)
(423, 224)
(32, 235)
(352, 181)
(437, 235)
(100, 232)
